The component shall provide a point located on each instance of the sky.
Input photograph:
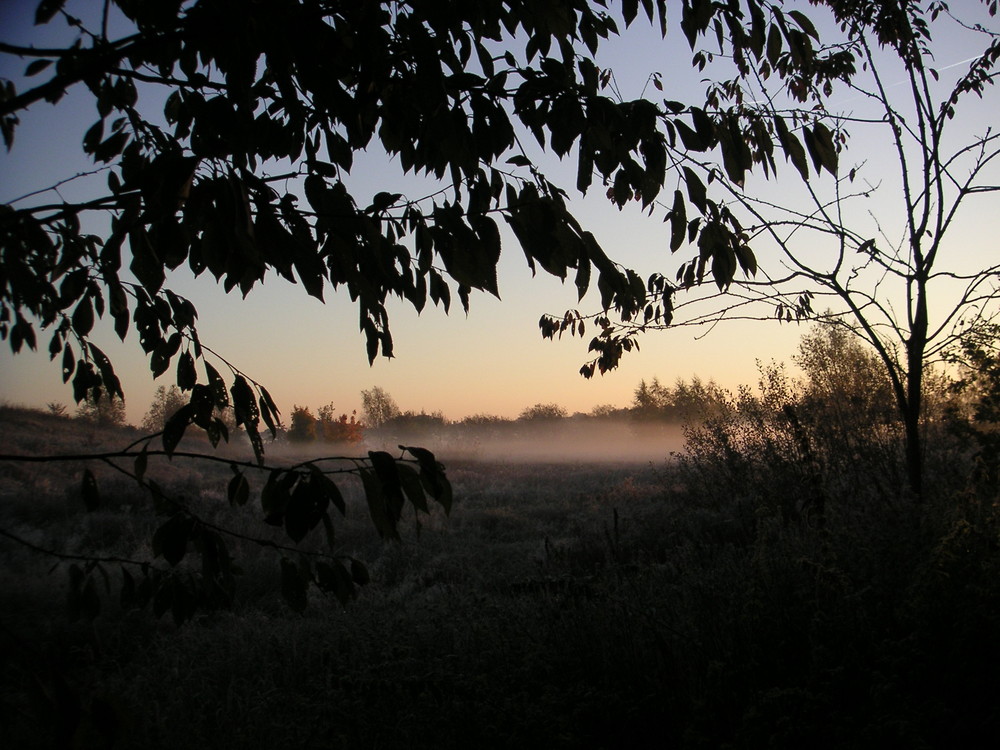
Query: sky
(491, 361)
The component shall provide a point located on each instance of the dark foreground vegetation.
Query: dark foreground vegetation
(772, 586)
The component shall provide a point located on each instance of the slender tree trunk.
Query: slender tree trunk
(915, 348)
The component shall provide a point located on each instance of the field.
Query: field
(560, 605)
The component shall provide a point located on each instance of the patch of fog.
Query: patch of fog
(566, 440)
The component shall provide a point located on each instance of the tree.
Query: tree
(903, 294)
(338, 429)
(104, 412)
(303, 427)
(379, 407)
(975, 411)
(650, 400)
(844, 376)
(232, 153)
(543, 413)
(166, 403)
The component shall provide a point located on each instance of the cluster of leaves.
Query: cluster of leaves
(200, 573)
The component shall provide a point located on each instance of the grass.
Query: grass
(560, 606)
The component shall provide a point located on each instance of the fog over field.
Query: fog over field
(565, 440)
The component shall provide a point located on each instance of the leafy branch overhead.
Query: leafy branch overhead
(244, 169)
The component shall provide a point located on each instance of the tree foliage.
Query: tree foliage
(303, 425)
(166, 402)
(334, 428)
(542, 413)
(232, 153)
(379, 407)
(102, 412)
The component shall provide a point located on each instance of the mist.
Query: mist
(556, 441)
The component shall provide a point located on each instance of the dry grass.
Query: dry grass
(559, 606)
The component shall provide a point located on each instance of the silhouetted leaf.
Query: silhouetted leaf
(238, 490)
(186, 375)
(47, 9)
(382, 519)
(36, 66)
(170, 540)
(412, 487)
(306, 507)
(792, 147)
(68, 363)
(432, 475)
(83, 317)
(696, 189)
(218, 386)
(176, 426)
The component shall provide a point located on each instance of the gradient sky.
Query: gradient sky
(492, 360)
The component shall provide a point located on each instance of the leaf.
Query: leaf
(176, 426)
(238, 490)
(329, 488)
(68, 363)
(83, 317)
(36, 66)
(305, 509)
(747, 260)
(92, 138)
(792, 147)
(678, 222)
(826, 148)
(171, 539)
(46, 10)
(218, 386)
(110, 380)
(88, 489)
(432, 475)
(187, 377)
(146, 265)
(804, 23)
(412, 487)
(773, 45)
(381, 519)
(696, 189)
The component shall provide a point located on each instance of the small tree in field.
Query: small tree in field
(379, 407)
(332, 428)
(166, 403)
(303, 426)
(104, 412)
